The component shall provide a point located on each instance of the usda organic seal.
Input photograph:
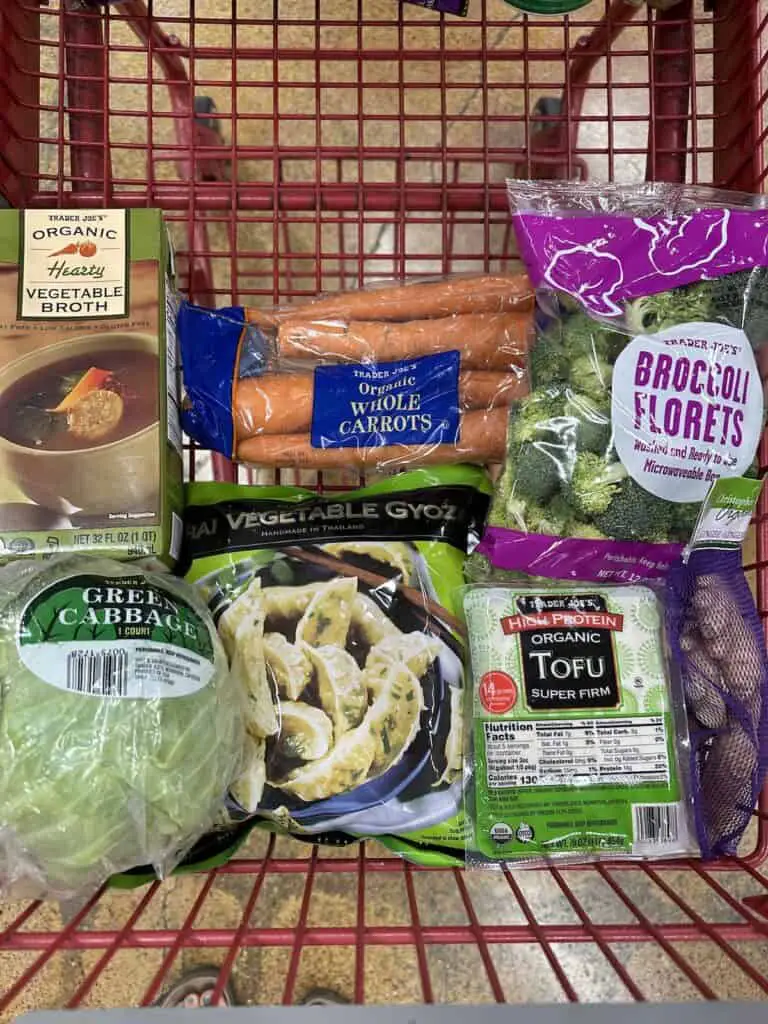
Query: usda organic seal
(501, 833)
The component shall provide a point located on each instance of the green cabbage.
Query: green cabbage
(95, 784)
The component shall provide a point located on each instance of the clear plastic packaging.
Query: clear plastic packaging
(645, 374)
(579, 743)
(120, 728)
(389, 377)
(340, 613)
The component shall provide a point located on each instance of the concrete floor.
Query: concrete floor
(482, 116)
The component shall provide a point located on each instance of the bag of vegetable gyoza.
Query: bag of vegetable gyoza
(645, 374)
(340, 614)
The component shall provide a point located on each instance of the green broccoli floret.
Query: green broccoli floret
(594, 483)
(497, 515)
(530, 417)
(593, 428)
(538, 471)
(567, 302)
(582, 336)
(741, 299)
(652, 313)
(591, 376)
(479, 569)
(547, 362)
(515, 513)
(569, 342)
(554, 519)
(586, 531)
(636, 514)
(616, 343)
(683, 519)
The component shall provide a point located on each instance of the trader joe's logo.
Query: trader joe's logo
(566, 649)
(74, 265)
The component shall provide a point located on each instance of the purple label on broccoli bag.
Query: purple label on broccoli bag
(565, 558)
(607, 259)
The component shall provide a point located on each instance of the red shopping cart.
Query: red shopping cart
(305, 145)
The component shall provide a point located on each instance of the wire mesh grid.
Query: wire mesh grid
(305, 145)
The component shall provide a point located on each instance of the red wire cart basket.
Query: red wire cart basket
(300, 146)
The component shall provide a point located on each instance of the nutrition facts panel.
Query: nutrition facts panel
(576, 751)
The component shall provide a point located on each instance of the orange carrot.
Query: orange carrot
(482, 389)
(68, 250)
(482, 439)
(92, 380)
(487, 341)
(275, 403)
(484, 293)
(281, 403)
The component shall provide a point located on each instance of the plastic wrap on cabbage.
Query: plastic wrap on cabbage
(119, 729)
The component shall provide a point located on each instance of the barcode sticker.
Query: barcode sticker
(98, 673)
(655, 824)
(176, 534)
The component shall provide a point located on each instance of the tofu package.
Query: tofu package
(340, 617)
(90, 437)
(580, 746)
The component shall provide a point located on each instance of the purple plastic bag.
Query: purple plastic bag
(651, 340)
(717, 640)
(458, 7)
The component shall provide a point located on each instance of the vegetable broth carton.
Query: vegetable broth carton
(90, 441)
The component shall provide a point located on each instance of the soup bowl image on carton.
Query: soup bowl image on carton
(99, 454)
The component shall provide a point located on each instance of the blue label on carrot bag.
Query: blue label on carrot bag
(412, 401)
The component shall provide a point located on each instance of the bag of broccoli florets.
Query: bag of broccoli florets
(651, 331)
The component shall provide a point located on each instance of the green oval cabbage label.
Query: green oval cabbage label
(115, 637)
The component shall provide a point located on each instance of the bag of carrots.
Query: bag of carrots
(384, 378)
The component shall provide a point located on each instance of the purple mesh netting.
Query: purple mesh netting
(716, 639)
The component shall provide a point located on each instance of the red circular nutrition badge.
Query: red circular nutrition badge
(498, 692)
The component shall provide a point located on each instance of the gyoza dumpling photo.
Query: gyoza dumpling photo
(370, 621)
(290, 667)
(346, 766)
(249, 669)
(306, 733)
(249, 786)
(339, 686)
(393, 717)
(234, 615)
(289, 602)
(395, 554)
(385, 733)
(328, 615)
(416, 650)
